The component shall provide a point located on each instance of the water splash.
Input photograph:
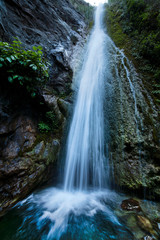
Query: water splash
(83, 195)
(54, 209)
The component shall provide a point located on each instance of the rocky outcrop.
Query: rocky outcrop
(134, 132)
(55, 25)
(27, 156)
(133, 121)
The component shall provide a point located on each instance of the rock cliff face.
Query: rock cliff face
(134, 132)
(55, 25)
(26, 155)
(134, 118)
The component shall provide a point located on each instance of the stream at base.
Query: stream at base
(55, 214)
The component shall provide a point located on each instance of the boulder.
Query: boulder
(144, 223)
(131, 205)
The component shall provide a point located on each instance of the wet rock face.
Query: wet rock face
(21, 174)
(132, 120)
(55, 25)
(27, 157)
(21, 135)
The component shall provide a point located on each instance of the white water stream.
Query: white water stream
(85, 150)
(83, 193)
(84, 181)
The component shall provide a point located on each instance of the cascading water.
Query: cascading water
(85, 150)
(84, 208)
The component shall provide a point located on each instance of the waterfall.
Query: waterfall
(84, 208)
(85, 149)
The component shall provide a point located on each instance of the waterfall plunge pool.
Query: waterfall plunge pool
(55, 214)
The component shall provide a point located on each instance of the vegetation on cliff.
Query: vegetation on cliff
(24, 67)
(135, 24)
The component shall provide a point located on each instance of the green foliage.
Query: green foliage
(23, 67)
(49, 123)
(43, 127)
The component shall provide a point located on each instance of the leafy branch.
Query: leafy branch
(25, 67)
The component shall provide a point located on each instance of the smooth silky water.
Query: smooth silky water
(84, 208)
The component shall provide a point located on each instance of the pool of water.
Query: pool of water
(57, 214)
